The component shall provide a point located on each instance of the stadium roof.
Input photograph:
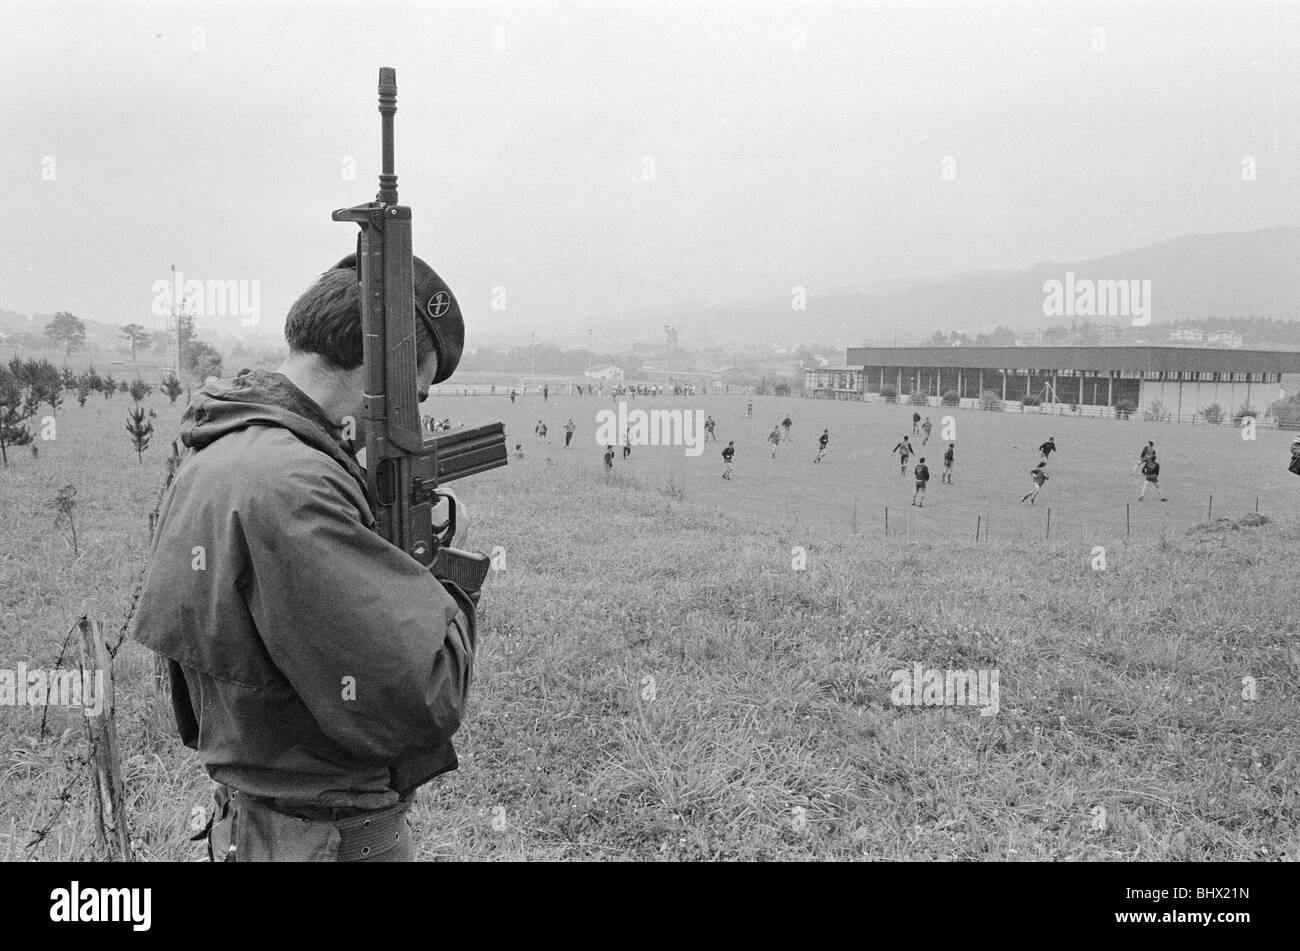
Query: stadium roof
(1080, 358)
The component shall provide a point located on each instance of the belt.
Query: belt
(367, 833)
(362, 836)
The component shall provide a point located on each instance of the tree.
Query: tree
(139, 389)
(123, 386)
(140, 430)
(14, 413)
(63, 504)
(109, 384)
(137, 337)
(83, 390)
(202, 360)
(94, 382)
(999, 337)
(66, 331)
(172, 387)
(937, 340)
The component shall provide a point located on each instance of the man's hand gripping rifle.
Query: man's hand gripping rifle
(404, 465)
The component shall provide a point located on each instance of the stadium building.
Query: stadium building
(1184, 379)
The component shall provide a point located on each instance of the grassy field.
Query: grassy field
(656, 681)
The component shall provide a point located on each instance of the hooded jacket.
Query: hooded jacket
(312, 662)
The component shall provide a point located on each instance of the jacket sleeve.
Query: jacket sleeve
(377, 649)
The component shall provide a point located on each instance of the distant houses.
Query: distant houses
(1224, 338)
(1219, 338)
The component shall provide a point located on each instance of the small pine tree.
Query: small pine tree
(83, 390)
(139, 389)
(14, 413)
(94, 382)
(140, 429)
(123, 386)
(63, 504)
(172, 387)
(109, 385)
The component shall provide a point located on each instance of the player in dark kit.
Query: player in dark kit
(916, 422)
(728, 455)
(904, 450)
(609, 458)
(569, 428)
(922, 473)
(947, 463)
(926, 427)
(822, 440)
(1039, 475)
(1151, 477)
(1048, 448)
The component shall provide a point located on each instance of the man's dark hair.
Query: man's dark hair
(326, 320)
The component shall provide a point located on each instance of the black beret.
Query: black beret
(435, 307)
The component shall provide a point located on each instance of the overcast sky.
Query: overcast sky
(598, 157)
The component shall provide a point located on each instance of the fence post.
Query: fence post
(1049, 523)
(107, 792)
(886, 521)
(977, 528)
(1127, 509)
(1210, 515)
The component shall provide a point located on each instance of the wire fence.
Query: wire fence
(1056, 525)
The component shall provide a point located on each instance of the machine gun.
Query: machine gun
(404, 466)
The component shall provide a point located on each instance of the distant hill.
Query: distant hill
(1200, 276)
(1192, 277)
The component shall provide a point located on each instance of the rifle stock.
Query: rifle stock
(405, 466)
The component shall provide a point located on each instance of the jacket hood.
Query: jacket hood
(263, 398)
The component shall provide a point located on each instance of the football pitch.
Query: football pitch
(1092, 474)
